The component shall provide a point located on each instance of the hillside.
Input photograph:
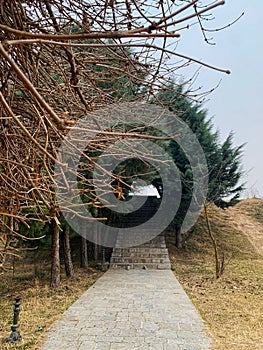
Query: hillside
(248, 216)
(232, 306)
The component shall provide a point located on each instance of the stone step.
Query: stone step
(153, 245)
(139, 260)
(129, 243)
(140, 255)
(141, 266)
(140, 250)
(130, 246)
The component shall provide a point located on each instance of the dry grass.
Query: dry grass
(40, 305)
(232, 306)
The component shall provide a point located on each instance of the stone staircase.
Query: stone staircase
(151, 253)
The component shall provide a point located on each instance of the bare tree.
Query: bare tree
(61, 60)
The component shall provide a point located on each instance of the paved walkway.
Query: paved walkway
(128, 310)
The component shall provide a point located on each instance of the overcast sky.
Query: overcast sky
(236, 105)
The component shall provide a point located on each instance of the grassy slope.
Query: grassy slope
(232, 306)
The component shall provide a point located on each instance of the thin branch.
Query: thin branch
(30, 86)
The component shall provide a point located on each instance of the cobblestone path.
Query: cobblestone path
(130, 310)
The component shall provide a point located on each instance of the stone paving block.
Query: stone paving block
(192, 347)
(190, 336)
(157, 346)
(120, 346)
(176, 341)
(101, 346)
(86, 345)
(109, 338)
(86, 338)
(128, 332)
(151, 326)
(171, 347)
(137, 346)
(143, 347)
(146, 332)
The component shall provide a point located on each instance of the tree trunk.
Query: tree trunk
(84, 253)
(96, 253)
(219, 270)
(96, 247)
(178, 238)
(55, 263)
(67, 253)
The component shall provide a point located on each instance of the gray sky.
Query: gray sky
(237, 103)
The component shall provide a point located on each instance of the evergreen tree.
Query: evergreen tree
(223, 160)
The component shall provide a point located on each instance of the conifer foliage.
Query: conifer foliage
(223, 158)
